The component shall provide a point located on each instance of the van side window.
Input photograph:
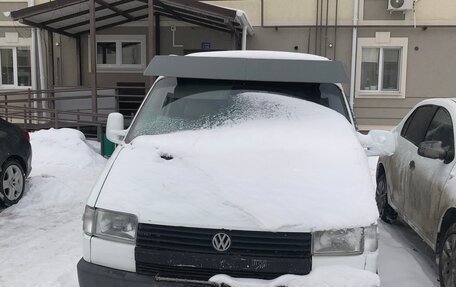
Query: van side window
(417, 124)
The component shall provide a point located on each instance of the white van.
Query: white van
(242, 163)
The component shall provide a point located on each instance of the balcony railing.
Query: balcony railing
(69, 107)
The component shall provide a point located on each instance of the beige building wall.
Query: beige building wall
(431, 69)
(187, 38)
(290, 25)
(251, 7)
(437, 10)
(289, 12)
(430, 66)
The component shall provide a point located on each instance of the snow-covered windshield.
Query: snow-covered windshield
(177, 104)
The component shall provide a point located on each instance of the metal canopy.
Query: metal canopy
(71, 17)
(248, 69)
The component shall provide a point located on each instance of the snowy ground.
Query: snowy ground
(40, 237)
(404, 259)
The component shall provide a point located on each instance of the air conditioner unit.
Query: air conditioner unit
(400, 5)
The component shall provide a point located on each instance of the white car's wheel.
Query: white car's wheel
(12, 182)
(447, 258)
(386, 212)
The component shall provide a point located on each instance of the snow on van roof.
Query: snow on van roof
(260, 54)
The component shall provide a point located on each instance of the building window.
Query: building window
(106, 53)
(15, 67)
(380, 69)
(381, 66)
(120, 53)
(131, 53)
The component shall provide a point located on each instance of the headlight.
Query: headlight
(110, 225)
(339, 242)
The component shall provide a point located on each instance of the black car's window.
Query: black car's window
(417, 124)
(441, 129)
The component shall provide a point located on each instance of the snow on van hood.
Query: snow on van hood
(302, 171)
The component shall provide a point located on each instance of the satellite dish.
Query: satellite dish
(397, 3)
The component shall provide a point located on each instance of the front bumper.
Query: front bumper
(92, 275)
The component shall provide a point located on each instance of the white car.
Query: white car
(417, 182)
(233, 165)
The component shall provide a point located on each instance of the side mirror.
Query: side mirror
(433, 150)
(378, 143)
(115, 128)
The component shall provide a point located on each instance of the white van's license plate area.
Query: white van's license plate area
(198, 266)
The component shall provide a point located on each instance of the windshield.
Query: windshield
(177, 104)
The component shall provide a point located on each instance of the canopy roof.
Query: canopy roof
(71, 17)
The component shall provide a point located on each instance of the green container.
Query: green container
(107, 147)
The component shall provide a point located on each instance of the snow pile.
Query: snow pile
(299, 169)
(331, 276)
(40, 237)
(65, 147)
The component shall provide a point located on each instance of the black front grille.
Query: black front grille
(199, 240)
(184, 252)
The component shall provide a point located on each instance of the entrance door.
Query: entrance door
(131, 95)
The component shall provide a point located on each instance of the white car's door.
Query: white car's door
(399, 173)
(408, 137)
(412, 134)
(428, 177)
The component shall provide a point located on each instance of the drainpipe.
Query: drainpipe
(33, 54)
(34, 74)
(244, 38)
(242, 18)
(353, 56)
(33, 59)
(33, 67)
(41, 65)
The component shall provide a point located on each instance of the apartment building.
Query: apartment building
(397, 52)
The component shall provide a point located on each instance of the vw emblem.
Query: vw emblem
(221, 242)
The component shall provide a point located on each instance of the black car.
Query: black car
(15, 161)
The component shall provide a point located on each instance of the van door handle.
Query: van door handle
(412, 164)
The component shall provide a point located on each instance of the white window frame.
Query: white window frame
(118, 67)
(15, 71)
(382, 41)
